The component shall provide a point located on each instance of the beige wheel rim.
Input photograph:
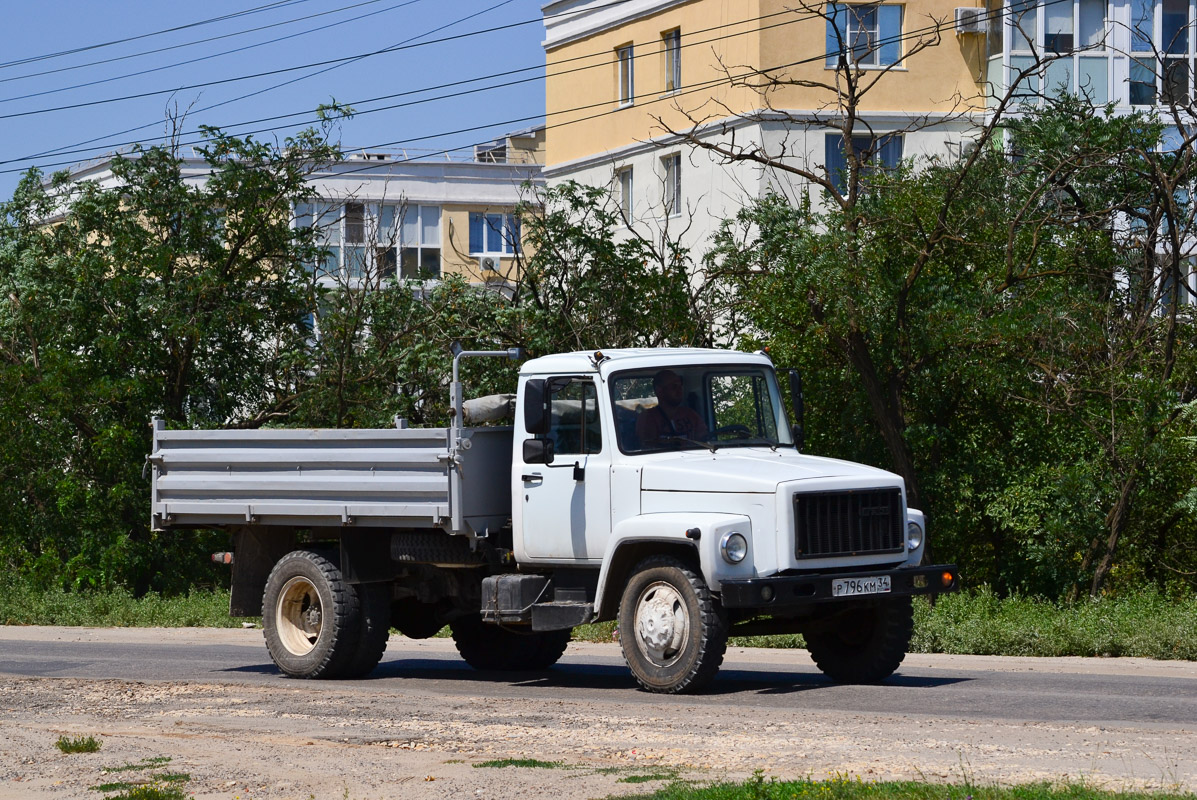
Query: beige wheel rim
(298, 616)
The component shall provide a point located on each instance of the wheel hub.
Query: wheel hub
(299, 616)
(662, 624)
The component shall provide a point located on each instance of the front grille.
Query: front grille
(848, 523)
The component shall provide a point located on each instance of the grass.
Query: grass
(161, 786)
(80, 744)
(660, 776)
(150, 791)
(843, 788)
(1146, 624)
(499, 763)
(21, 604)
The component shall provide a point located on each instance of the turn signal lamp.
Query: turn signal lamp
(946, 578)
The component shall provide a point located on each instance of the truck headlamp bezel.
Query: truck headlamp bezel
(914, 535)
(733, 547)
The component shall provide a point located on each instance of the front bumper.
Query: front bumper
(789, 591)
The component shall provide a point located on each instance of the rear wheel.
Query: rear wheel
(672, 631)
(310, 617)
(374, 601)
(864, 645)
(489, 647)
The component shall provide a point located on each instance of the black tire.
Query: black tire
(374, 600)
(416, 620)
(866, 644)
(672, 631)
(489, 647)
(310, 616)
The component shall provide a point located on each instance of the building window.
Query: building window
(864, 34)
(624, 179)
(627, 86)
(494, 234)
(409, 244)
(871, 152)
(1060, 45)
(364, 240)
(673, 184)
(671, 47)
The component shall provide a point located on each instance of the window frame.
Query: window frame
(883, 46)
(625, 181)
(671, 49)
(625, 65)
(671, 180)
(507, 229)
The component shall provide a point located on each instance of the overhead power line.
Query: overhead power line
(606, 104)
(67, 148)
(507, 73)
(99, 45)
(181, 45)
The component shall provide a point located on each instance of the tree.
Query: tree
(166, 294)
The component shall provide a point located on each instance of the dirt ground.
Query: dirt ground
(409, 739)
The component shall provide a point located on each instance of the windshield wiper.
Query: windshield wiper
(707, 445)
(772, 445)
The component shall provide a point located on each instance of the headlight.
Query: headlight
(733, 546)
(914, 535)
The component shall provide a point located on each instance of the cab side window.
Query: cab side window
(575, 428)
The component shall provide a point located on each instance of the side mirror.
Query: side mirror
(798, 407)
(536, 412)
(538, 451)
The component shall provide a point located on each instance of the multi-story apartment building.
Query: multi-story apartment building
(624, 79)
(389, 214)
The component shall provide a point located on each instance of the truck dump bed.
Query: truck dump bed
(395, 477)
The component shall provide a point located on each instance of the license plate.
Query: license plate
(876, 584)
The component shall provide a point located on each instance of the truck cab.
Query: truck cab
(684, 461)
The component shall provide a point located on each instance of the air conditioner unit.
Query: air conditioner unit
(488, 263)
(971, 20)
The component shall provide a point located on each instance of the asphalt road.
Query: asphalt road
(212, 703)
(1091, 691)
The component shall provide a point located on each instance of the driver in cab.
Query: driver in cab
(656, 427)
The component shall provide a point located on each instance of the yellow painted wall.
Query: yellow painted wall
(455, 245)
(931, 81)
(941, 78)
(583, 77)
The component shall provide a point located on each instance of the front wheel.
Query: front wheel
(672, 631)
(310, 616)
(865, 644)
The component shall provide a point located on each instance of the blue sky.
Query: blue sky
(33, 78)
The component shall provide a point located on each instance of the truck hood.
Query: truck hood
(749, 469)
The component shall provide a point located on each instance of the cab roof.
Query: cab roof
(583, 361)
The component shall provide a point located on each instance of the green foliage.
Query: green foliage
(530, 763)
(118, 304)
(1145, 624)
(22, 603)
(593, 282)
(989, 337)
(79, 744)
(842, 787)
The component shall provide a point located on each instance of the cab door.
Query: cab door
(566, 504)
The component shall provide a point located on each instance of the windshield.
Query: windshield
(697, 407)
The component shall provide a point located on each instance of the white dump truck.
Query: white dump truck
(662, 488)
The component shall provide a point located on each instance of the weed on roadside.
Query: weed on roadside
(843, 787)
(80, 744)
(520, 762)
(659, 776)
(151, 791)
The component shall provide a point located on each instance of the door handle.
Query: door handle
(535, 476)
